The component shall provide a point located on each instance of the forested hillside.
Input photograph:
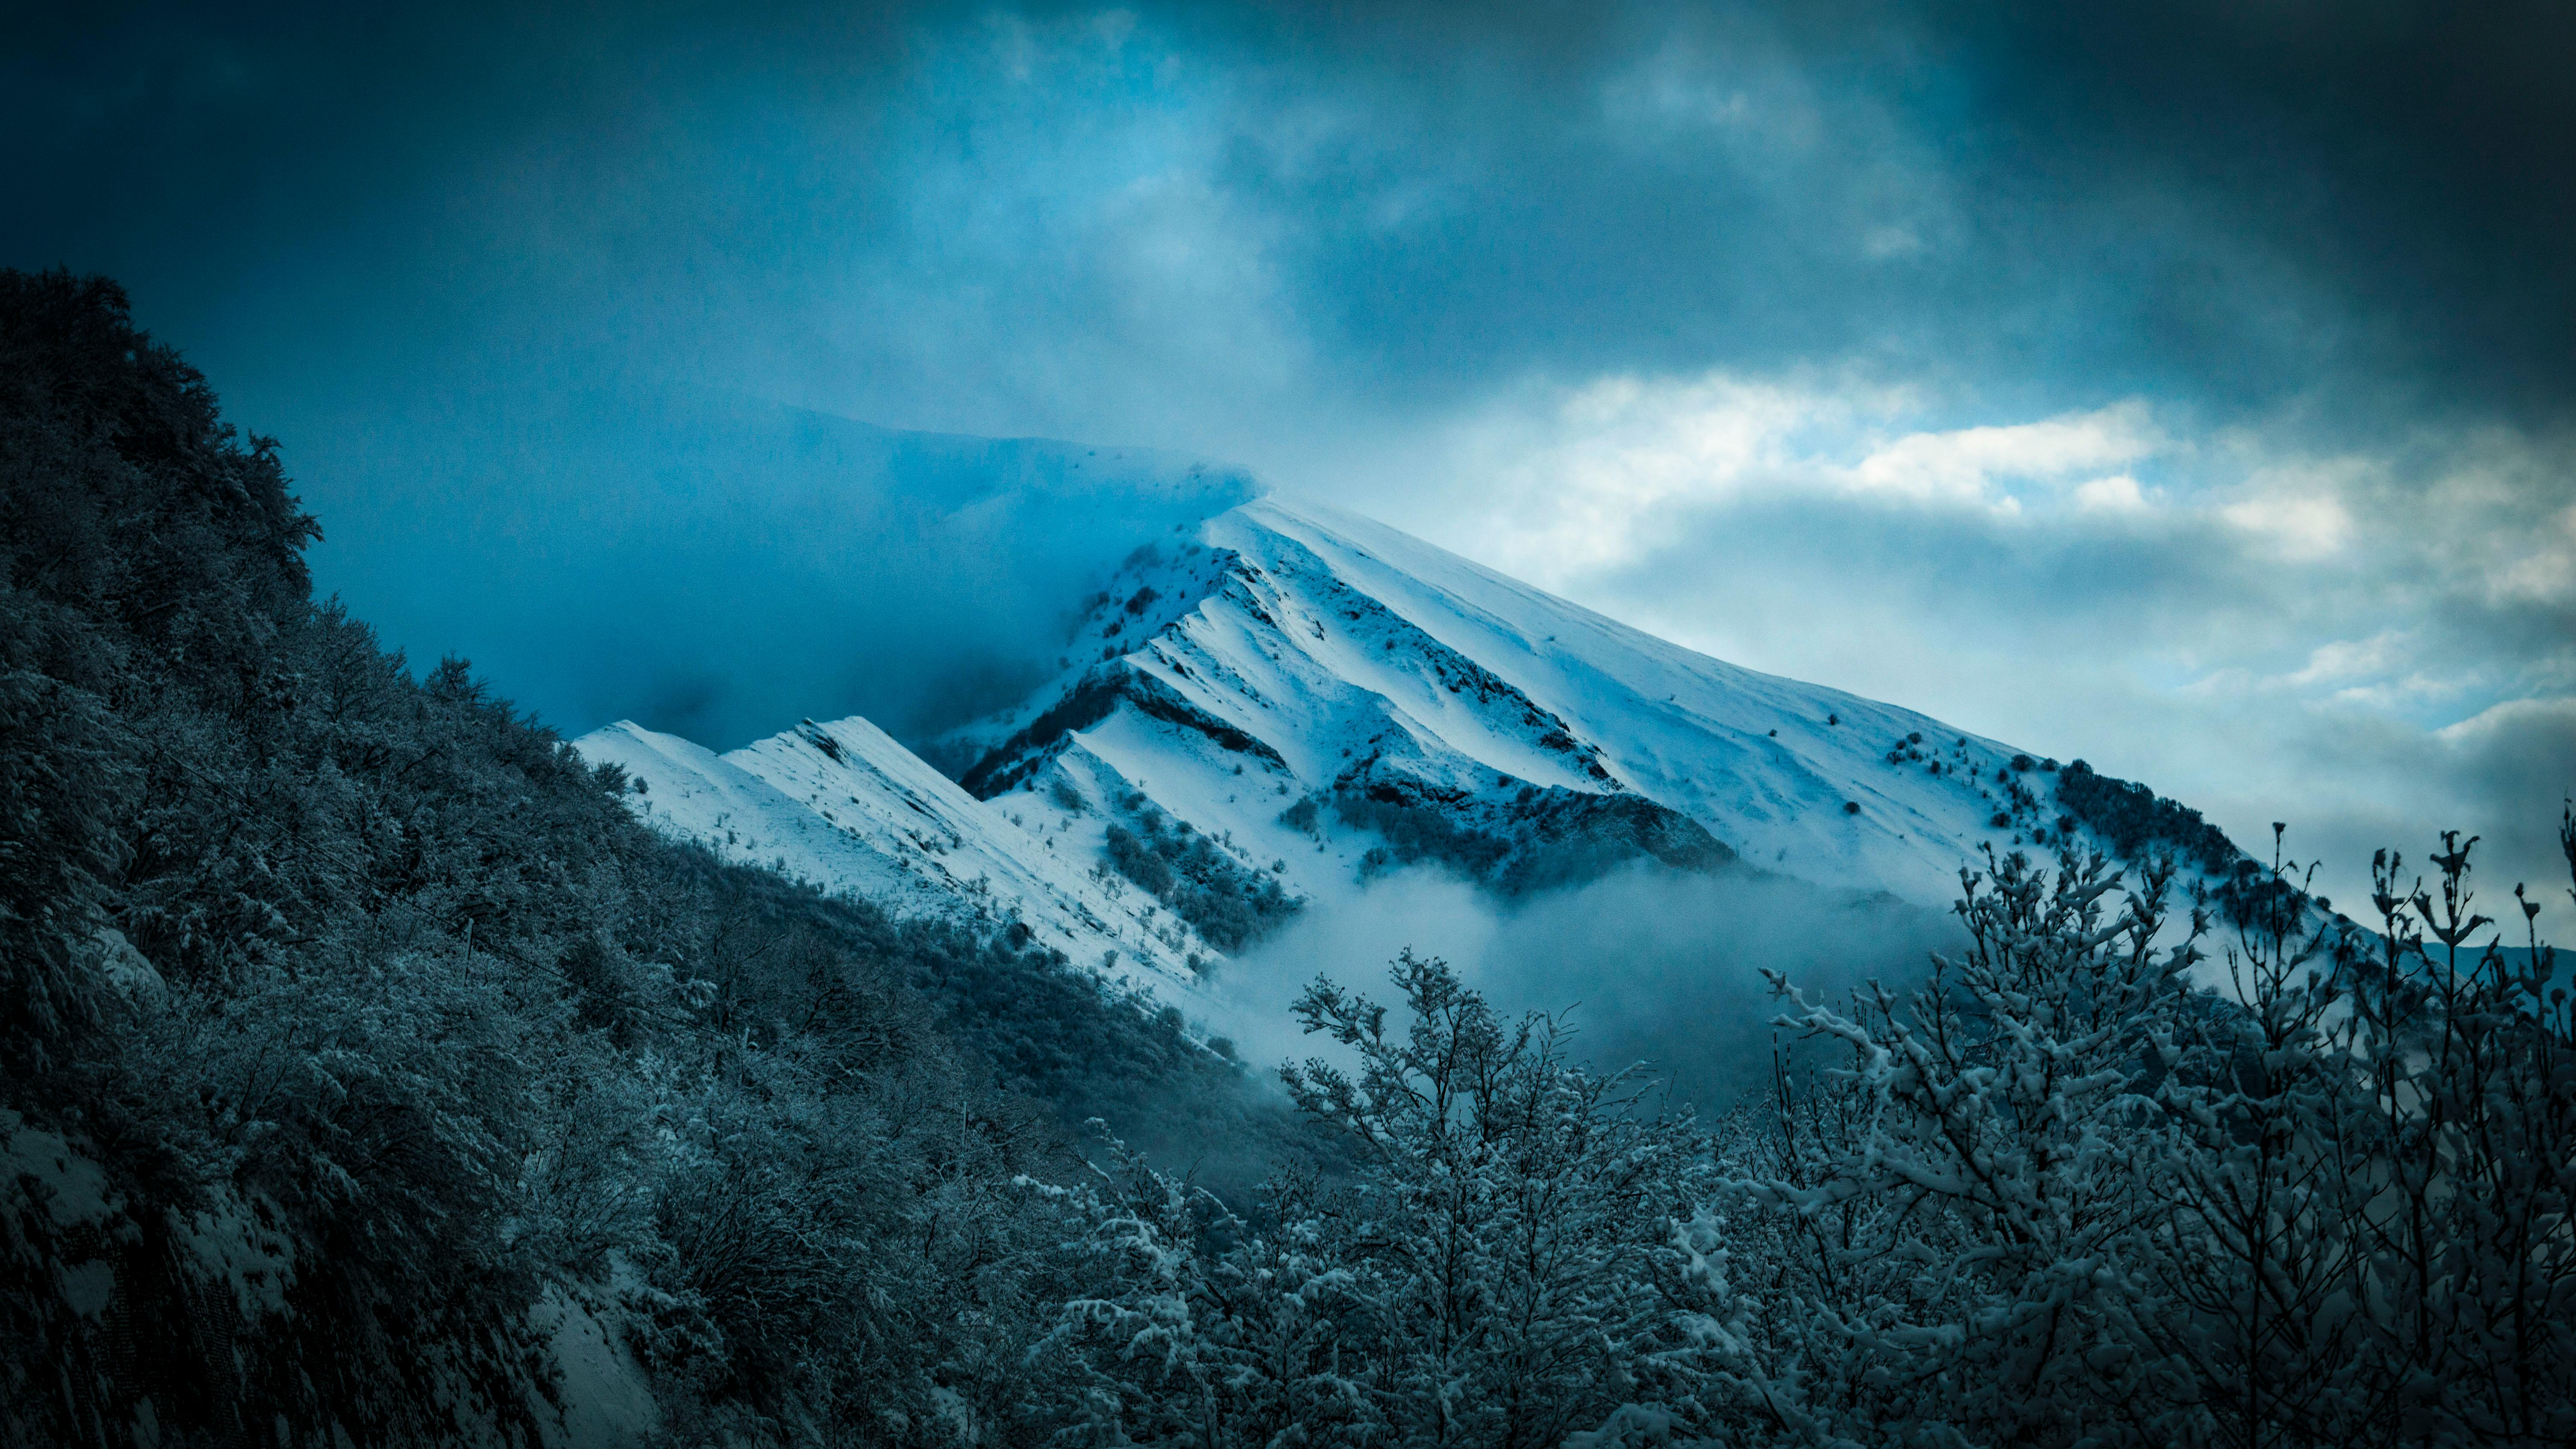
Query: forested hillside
(369, 1076)
(348, 1017)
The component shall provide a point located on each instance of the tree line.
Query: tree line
(347, 1017)
(2067, 1193)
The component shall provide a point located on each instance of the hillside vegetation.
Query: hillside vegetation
(369, 1076)
(348, 1018)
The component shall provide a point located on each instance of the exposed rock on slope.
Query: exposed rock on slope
(1291, 700)
(1444, 711)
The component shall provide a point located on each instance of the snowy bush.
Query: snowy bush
(1230, 905)
(1513, 1259)
(2063, 1197)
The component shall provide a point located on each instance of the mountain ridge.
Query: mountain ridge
(1290, 701)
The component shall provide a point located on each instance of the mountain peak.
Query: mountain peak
(1270, 710)
(1389, 678)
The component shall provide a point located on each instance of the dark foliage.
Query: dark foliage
(1090, 701)
(348, 1019)
(2064, 1196)
(1540, 839)
(1302, 817)
(1229, 902)
(1415, 833)
(2134, 819)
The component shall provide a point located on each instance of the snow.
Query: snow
(46, 1168)
(844, 807)
(607, 1398)
(1347, 650)
(1287, 651)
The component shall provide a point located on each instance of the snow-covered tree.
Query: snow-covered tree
(1506, 1264)
(2064, 1197)
(1508, 1219)
(1964, 1210)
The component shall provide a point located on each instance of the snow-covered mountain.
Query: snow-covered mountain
(1294, 652)
(847, 808)
(1264, 713)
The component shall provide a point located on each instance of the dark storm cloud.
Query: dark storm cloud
(2216, 198)
(2206, 199)
(2418, 160)
(395, 235)
(719, 568)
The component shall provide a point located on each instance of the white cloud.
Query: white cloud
(1574, 477)
(2498, 721)
(2541, 565)
(1970, 465)
(2118, 493)
(2347, 659)
(2298, 526)
(2407, 692)
(2255, 626)
(1579, 479)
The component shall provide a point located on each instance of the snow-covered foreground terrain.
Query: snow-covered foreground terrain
(1297, 697)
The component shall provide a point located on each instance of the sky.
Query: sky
(2189, 387)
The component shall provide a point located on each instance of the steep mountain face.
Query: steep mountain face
(1293, 669)
(1266, 712)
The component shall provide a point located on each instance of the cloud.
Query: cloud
(722, 568)
(2297, 526)
(1596, 477)
(2503, 775)
(2118, 493)
(2402, 172)
(1428, 199)
(2262, 629)
(2347, 659)
(1650, 967)
(1970, 465)
(2076, 373)
(2510, 759)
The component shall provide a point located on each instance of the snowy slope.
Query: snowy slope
(1290, 700)
(1291, 651)
(846, 808)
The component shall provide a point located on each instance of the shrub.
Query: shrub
(2064, 1196)
(1230, 904)
(2133, 819)
(1502, 1266)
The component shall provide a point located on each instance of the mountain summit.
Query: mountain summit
(1268, 711)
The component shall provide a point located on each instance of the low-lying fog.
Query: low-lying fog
(1648, 964)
